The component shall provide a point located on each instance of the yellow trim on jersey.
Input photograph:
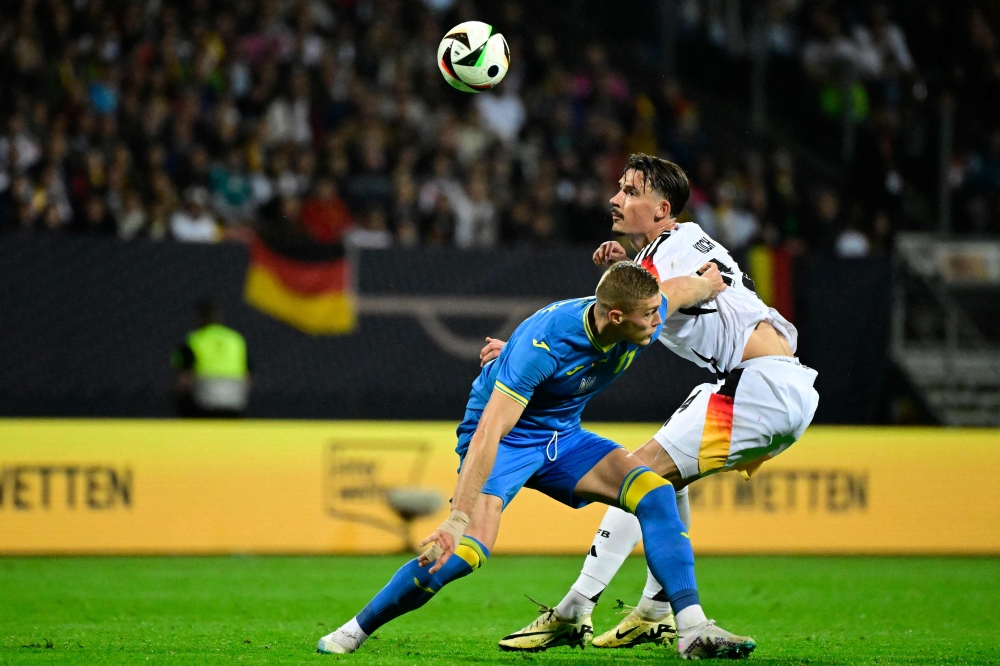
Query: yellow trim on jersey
(590, 334)
(638, 484)
(470, 551)
(541, 344)
(510, 393)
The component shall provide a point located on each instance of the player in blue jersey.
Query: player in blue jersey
(522, 428)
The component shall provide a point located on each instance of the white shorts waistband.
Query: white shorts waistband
(760, 360)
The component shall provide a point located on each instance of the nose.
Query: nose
(616, 200)
(657, 320)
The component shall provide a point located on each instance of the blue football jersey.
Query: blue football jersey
(553, 365)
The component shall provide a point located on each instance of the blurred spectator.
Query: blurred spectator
(373, 234)
(194, 223)
(502, 113)
(475, 216)
(826, 222)
(97, 219)
(232, 193)
(324, 215)
(851, 244)
(133, 219)
(736, 226)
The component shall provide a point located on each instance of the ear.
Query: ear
(662, 210)
(616, 316)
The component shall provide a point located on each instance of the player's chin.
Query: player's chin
(642, 342)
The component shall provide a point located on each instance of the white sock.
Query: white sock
(353, 629)
(652, 609)
(689, 617)
(652, 596)
(616, 538)
(575, 606)
(684, 507)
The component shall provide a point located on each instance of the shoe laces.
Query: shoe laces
(622, 607)
(349, 633)
(546, 612)
(698, 627)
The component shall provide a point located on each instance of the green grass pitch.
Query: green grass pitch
(223, 610)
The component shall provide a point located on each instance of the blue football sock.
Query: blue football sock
(413, 585)
(668, 547)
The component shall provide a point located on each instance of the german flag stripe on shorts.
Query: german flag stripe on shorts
(718, 432)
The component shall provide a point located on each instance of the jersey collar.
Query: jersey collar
(590, 333)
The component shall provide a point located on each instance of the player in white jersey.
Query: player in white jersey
(762, 402)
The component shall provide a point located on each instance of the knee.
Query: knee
(473, 552)
(639, 483)
(653, 455)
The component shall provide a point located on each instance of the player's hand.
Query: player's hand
(490, 351)
(439, 553)
(445, 540)
(609, 253)
(710, 272)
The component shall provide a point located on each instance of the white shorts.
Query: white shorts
(760, 409)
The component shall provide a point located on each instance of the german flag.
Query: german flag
(771, 270)
(306, 284)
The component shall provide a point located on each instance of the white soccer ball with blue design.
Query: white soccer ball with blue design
(472, 57)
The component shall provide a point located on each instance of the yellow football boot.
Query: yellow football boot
(548, 631)
(636, 630)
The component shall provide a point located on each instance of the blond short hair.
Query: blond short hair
(626, 286)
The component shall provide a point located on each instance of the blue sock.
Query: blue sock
(668, 547)
(413, 586)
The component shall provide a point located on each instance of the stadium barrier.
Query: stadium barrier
(91, 324)
(363, 487)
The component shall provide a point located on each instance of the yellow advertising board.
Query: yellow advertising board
(90, 486)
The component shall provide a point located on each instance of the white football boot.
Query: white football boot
(708, 641)
(342, 641)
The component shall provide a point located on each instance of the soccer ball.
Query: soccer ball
(472, 58)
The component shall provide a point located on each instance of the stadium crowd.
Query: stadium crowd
(895, 69)
(199, 120)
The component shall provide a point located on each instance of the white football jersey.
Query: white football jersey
(713, 335)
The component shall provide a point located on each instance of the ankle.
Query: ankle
(652, 609)
(574, 607)
(689, 616)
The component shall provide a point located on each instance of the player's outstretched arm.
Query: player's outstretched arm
(500, 415)
(690, 291)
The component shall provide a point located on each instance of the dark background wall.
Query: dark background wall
(87, 326)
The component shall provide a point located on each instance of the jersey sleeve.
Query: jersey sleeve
(683, 253)
(526, 363)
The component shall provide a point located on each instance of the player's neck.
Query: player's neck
(602, 328)
(640, 241)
